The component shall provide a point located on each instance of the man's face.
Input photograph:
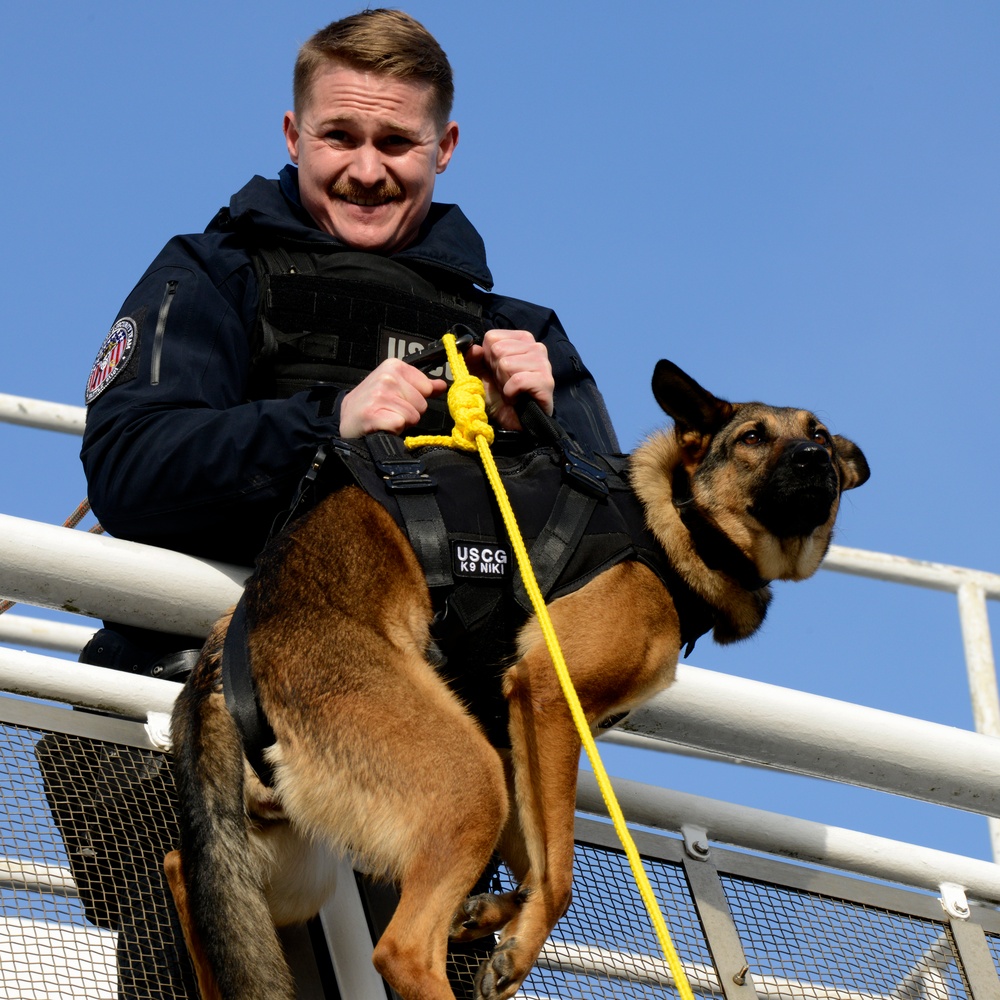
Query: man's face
(368, 152)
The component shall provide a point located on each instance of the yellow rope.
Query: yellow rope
(472, 432)
(467, 405)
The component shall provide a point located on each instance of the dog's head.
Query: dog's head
(761, 480)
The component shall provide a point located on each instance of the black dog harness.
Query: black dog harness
(578, 516)
(576, 512)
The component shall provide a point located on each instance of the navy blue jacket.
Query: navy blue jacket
(175, 452)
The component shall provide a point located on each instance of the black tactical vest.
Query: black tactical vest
(332, 317)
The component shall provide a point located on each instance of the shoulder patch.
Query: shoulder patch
(112, 358)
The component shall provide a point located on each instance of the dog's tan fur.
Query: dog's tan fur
(377, 756)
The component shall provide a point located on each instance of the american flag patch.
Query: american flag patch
(114, 354)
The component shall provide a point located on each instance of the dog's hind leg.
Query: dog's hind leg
(411, 954)
(487, 911)
(407, 781)
(461, 816)
(224, 875)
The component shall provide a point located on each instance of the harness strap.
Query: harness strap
(305, 494)
(413, 489)
(558, 541)
(241, 695)
(426, 531)
(578, 464)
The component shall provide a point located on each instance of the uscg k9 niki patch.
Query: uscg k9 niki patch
(480, 560)
(113, 357)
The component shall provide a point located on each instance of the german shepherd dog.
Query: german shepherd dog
(375, 755)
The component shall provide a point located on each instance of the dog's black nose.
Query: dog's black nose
(800, 492)
(808, 456)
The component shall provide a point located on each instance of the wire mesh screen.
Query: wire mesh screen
(84, 826)
(819, 948)
(993, 943)
(605, 948)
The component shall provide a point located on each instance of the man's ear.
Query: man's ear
(446, 146)
(291, 130)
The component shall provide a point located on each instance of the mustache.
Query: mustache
(350, 190)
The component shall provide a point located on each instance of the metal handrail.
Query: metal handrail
(705, 712)
(41, 414)
(715, 712)
(103, 577)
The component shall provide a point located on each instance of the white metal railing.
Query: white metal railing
(972, 588)
(40, 633)
(802, 840)
(741, 719)
(713, 712)
(718, 714)
(41, 414)
(103, 577)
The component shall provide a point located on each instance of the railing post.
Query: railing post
(975, 622)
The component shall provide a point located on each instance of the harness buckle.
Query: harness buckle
(405, 477)
(584, 474)
(402, 472)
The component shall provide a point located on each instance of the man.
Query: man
(282, 325)
(201, 426)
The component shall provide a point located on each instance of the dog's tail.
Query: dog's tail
(229, 920)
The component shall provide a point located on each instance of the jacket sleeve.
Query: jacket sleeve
(174, 452)
(579, 405)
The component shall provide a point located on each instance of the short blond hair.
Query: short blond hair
(380, 41)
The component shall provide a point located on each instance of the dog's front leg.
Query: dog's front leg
(545, 756)
(620, 639)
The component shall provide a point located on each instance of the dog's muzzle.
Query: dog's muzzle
(800, 492)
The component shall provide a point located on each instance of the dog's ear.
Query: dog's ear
(691, 406)
(853, 465)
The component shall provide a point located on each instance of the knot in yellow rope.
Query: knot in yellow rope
(466, 404)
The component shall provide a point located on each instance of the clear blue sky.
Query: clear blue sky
(794, 201)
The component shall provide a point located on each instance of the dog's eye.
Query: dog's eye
(821, 437)
(753, 437)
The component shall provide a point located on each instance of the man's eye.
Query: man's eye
(336, 135)
(397, 141)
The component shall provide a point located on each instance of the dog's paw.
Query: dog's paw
(485, 914)
(498, 977)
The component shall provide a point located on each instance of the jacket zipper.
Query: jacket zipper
(161, 326)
